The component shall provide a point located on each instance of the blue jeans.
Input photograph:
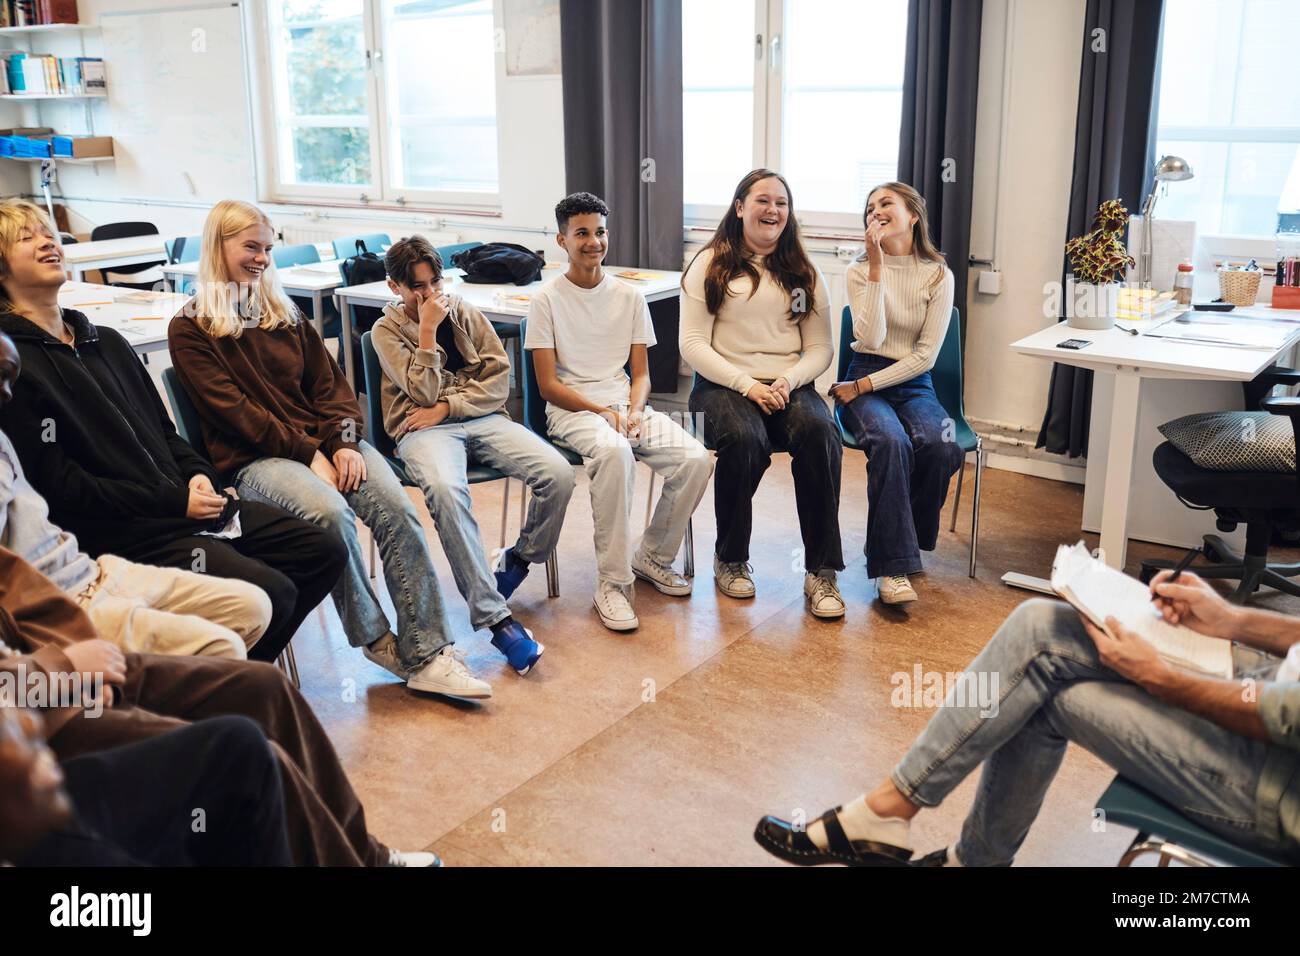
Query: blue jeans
(911, 456)
(1052, 689)
(381, 504)
(437, 459)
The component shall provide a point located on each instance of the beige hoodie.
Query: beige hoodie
(414, 377)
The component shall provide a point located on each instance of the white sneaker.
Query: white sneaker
(447, 674)
(384, 653)
(398, 858)
(896, 589)
(733, 578)
(614, 608)
(663, 576)
(823, 594)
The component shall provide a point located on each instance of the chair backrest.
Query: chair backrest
(188, 422)
(534, 404)
(186, 248)
(373, 373)
(946, 373)
(286, 256)
(122, 230)
(447, 251)
(345, 246)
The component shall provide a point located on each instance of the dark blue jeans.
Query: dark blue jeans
(911, 456)
(744, 439)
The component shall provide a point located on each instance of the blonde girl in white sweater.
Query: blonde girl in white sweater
(900, 293)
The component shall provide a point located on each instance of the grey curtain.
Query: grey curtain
(936, 151)
(622, 76)
(1114, 154)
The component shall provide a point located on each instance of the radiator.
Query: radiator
(296, 233)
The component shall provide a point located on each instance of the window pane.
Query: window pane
(319, 79)
(842, 99)
(717, 97)
(441, 91)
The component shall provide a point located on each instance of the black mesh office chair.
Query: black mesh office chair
(137, 276)
(1264, 501)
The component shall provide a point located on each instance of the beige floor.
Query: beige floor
(665, 745)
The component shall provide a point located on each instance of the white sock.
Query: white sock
(952, 857)
(860, 822)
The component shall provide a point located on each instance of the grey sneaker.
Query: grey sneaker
(447, 674)
(614, 607)
(663, 576)
(823, 594)
(896, 589)
(384, 653)
(733, 578)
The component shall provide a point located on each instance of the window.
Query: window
(813, 88)
(389, 100)
(1229, 105)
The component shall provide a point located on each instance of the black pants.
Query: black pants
(744, 439)
(205, 795)
(295, 562)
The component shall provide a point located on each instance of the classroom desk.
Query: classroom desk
(666, 285)
(80, 257)
(314, 281)
(141, 317)
(1132, 362)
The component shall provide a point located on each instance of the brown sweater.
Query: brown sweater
(265, 394)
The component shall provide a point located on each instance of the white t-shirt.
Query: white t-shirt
(592, 332)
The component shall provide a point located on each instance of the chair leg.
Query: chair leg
(552, 576)
(956, 499)
(688, 546)
(289, 664)
(373, 550)
(975, 515)
(524, 494)
(649, 499)
(505, 512)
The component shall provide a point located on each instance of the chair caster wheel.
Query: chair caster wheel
(1146, 574)
(1212, 554)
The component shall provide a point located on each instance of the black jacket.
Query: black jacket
(95, 440)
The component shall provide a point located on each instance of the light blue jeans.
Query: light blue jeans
(1052, 689)
(437, 458)
(384, 508)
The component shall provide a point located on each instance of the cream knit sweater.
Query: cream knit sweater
(901, 317)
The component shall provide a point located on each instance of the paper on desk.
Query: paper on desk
(1098, 591)
(1225, 328)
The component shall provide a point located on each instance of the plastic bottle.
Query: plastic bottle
(1183, 283)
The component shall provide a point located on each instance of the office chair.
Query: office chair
(128, 276)
(190, 427)
(1263, 500)
(346, 246)
(947, 378)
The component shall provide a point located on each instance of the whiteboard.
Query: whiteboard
(178, 103)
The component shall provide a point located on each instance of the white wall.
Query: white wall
(1031, 204)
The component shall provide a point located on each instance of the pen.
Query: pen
(1183, 565)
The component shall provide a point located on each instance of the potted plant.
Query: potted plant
(1100, 262)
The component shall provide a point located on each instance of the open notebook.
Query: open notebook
(1098, 591)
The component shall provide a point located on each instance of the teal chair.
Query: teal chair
(385, 445)
(346, 246)
(947, 378)
(535, 420)
(183, 249)
(285, 257)
(190, 427)
(1162, 829)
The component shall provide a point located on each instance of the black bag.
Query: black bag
(358, 270)
(499, 262)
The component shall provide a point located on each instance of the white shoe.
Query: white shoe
(733, 578)
(823, 594)
(384, 653)
(663, 576)
(447, 674)
(398, 858)
(614, 608)
(896, 589)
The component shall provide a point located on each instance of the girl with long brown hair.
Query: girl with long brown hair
(756, 327)
(900, 293)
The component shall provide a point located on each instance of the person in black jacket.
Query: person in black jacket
(95, 440)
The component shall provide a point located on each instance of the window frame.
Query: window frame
(381, 191)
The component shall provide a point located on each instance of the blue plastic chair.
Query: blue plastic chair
(300, 255)
(183, 249)
(1163, 830)
(535, 420)
(947, 378)
(346, 246)
(189, 425)
(385, 445)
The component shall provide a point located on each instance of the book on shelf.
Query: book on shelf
(30, 13)
(40, 73)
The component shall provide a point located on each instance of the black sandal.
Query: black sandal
(794, 846)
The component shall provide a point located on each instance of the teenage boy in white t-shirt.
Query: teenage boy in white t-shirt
(584, 327)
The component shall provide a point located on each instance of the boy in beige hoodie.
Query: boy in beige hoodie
(445, 383)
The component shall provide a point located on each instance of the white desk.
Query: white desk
(80, 257)
(142, 323)
(486, 297)
(1131, 361)
(315, 281)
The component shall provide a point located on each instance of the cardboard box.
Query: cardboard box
(80, 147)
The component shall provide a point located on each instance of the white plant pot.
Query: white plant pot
(1091, 306)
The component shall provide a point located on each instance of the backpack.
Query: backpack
(499, 262)
(357, 270)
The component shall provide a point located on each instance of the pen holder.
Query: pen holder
(1239, 287)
